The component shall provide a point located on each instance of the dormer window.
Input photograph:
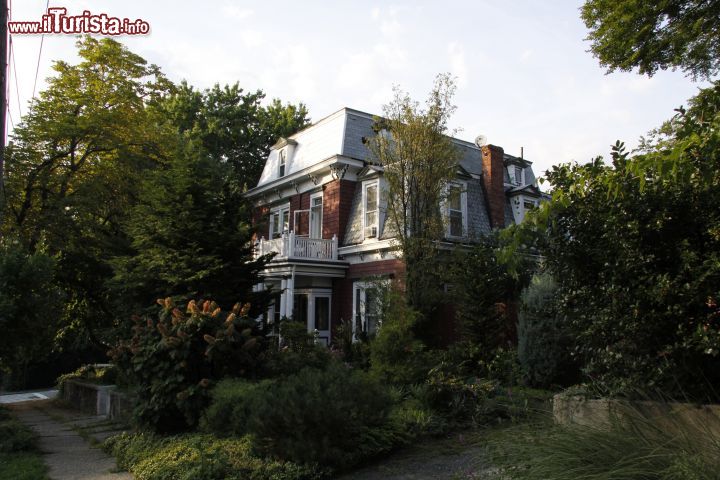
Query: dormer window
(456, 205)
(370, 209)
(518, 180)
(282, 160)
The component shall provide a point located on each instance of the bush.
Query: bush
(234, 401)
(298, 351)
(335, 417)
(396, 354)
(14, 436)
(199, 457)
(543, 343)
(172, 362)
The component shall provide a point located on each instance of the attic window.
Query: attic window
(282, 161)
(518, 176)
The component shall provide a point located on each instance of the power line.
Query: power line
(37, 68)
(17, 87)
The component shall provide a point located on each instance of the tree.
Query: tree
(74, 164)
(29, 300)
(419, 160)
(190, 234)
(234, 126)
(635, 250)
(628, 34)
(190, 228)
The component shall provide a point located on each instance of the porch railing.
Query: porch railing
(291, 246)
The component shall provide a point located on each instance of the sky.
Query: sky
(524, 75)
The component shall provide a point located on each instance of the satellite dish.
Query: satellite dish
(481, 140)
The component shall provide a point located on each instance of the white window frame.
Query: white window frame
(360, 288)
(366, 186)
(322, 205)
(463, 208)
(279, 211)
(282, 162)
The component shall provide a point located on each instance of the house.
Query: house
(319, 203)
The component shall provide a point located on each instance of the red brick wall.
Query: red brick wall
(300, 201)
(493, 181)
(337, 203)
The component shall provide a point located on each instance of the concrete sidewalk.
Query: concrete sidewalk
(68, 455)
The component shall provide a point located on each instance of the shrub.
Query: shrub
(543, 344)
(298, 351)
(14, 436)
(233, 403)
(199, 457)
(396, 354)
(172, 361)
(335, 417)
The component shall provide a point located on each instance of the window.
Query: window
(279, 221)
(282, 156)
(518, 175)
(370, 209)
(456, 206)
(529, 205)
(316, 206)
(366, 308)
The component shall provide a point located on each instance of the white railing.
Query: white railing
(293, 246)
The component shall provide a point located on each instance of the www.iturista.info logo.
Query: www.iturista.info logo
(59, 22)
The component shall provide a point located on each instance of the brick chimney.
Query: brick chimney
(493, 181)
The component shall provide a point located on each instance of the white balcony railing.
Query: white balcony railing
(292, 246)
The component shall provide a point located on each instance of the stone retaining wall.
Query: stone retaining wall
(684, 418)
(98, 399)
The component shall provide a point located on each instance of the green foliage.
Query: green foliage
(15, 436)
(233, 404)
(396, 354)
(635, 249)
(483, 287)
(73, 168)
(29, 301)
(336, 417)
(187, 215)
(544, 349)
(634, 445)
(233, 126)
(199, 457)
(419, 160)
(172, 361)
(655, 35)
(22, 466)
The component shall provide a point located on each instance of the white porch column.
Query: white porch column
(283, 297)
(290, 296)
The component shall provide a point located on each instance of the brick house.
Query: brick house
(319, 205)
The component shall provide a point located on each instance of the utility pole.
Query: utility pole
(3, 97)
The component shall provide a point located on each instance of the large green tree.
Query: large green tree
(655, 35)
(74, 163)
(419, 160)
(190, 229)
(635, 249)
(234, 126)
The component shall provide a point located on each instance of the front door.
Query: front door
(312, 307)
